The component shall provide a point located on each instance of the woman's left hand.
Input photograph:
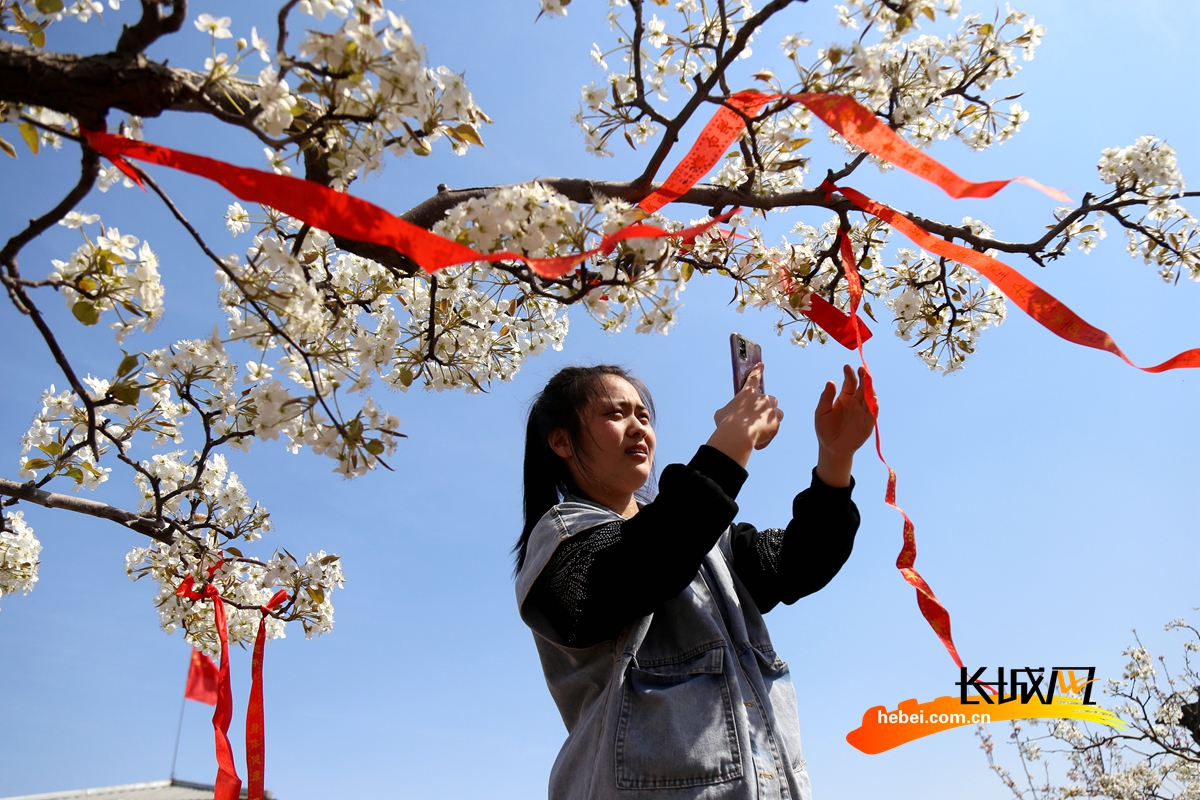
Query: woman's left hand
(843, 423)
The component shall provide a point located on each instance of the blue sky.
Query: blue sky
(1052, 487)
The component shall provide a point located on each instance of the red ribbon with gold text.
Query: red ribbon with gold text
(229, 785)
(255, 732)
(931, 608)
(343, 214)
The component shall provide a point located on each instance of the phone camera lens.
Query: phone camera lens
(742, 348)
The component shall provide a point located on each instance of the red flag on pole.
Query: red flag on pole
(202, 680)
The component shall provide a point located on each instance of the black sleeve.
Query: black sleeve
(784, 565)
(601, 579)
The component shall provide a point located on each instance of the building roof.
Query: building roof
(173, 789)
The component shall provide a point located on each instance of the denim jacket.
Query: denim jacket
(688, 702)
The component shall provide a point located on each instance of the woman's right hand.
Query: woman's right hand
(748, 422)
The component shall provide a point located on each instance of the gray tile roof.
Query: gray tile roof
(151, 790)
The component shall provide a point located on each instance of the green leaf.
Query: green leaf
(795, 144)
(783, 166)
(8, 148)
(49, 6)
(37, 463)
(52, 449)
(796, 300)
(127, 393)
(128, 364)
(686, 271)
(406, 377)
(328, 560)
(420, 148)
(30, 135)
(870, 313)
(234, 550)
(374, 446)
(316, 594)
(76, 473)
(469, 133)
(85, 312)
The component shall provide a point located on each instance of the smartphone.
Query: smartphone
(744, 354)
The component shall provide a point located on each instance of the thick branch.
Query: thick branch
(152, 25)
(29, 493)
(86, 87)
(431, 211)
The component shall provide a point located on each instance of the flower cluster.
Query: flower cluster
(944, 305)
(331, 321)
(681, 54)
(927, 87)
(193, 497)
(361, 90)
(19, 550)
(245, 585)
(1147, 167)
(1167, 236)
(59, 433)
(109, 274)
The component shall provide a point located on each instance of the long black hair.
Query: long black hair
(561, 405)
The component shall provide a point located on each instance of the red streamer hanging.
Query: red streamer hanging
(255, 730)
(228, 784)
(931, 608)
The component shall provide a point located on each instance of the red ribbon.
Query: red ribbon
(862, 128)
(725, 126)
(229, 785)
(931, 608)
(344, 215)
(854, 123)
(255, 743)
(1045, 308)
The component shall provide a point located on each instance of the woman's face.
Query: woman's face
(616, 441)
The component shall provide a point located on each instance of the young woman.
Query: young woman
(648, 615)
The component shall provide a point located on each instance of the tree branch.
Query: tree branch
(135, 522)
(671, 132)
(151, 26)
(89, 168)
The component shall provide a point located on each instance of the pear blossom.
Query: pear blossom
(217, 26)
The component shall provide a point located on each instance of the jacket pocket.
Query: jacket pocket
(677, 726)
(781, 694)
